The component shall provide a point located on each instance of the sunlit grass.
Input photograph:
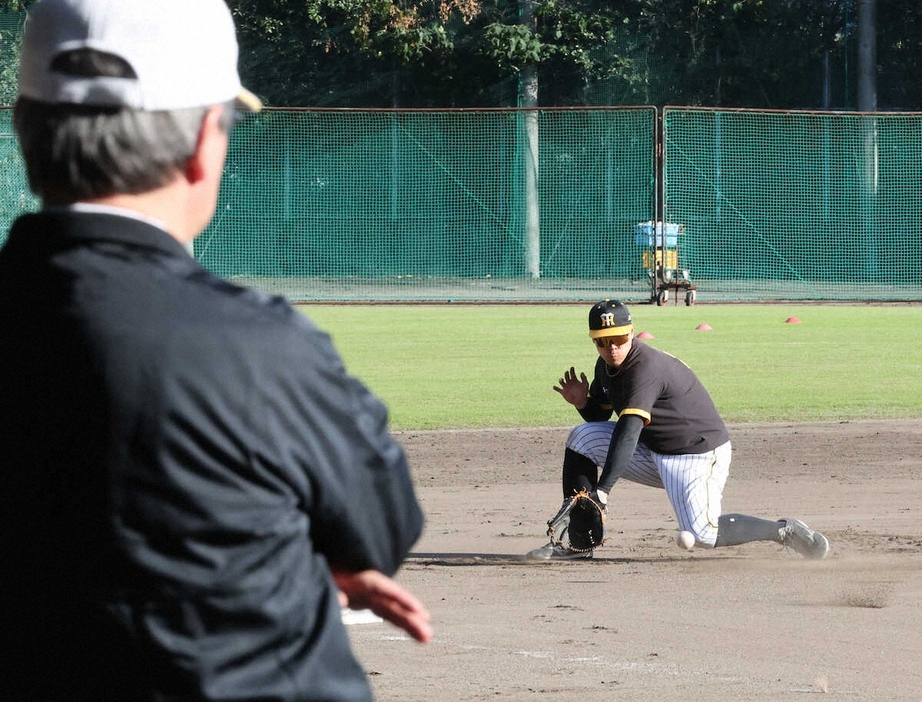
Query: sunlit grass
(446, 366)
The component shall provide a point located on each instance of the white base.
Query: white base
(360, 616)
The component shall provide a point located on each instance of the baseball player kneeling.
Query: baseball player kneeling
(667, 434)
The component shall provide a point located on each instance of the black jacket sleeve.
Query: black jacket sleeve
(363, 510)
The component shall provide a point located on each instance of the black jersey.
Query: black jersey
(678, 412)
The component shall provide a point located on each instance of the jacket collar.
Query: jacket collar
(94, 226)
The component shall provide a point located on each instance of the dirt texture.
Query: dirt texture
(644, 620)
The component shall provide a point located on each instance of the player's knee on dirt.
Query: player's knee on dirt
(705, 536)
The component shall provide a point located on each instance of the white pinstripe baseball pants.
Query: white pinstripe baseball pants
(694, 482)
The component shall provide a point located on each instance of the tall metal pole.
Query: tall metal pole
(867, 102)
(528, 98)
(867, 55)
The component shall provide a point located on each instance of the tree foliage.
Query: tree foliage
(471, 53)
(752, 53)
(11, 23)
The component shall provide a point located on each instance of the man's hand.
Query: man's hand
(371, 589)
(574, 390)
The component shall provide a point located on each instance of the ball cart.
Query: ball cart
(660, 259)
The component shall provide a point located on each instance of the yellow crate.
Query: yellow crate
(672, 258)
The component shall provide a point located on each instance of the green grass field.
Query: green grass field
(454, 366)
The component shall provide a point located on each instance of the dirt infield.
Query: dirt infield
(644, 620)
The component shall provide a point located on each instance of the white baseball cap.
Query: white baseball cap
(183, 52)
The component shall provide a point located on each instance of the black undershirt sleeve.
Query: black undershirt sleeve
(623, 443)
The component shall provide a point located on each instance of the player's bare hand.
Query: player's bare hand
(371, 589)
(574, 390)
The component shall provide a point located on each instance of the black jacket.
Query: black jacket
(182, 461)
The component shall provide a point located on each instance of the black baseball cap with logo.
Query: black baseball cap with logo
(609, 318)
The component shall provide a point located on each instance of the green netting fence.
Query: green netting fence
(428, 205)
(796, 205)
(15, 198)
(517, 205)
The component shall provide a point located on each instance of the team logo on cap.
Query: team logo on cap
(609, 318)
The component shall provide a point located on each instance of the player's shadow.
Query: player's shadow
(505, 559)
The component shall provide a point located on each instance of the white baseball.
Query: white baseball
(686, 540)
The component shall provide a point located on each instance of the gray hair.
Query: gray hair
(75, 152)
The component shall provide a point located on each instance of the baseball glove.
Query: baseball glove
(579, 525)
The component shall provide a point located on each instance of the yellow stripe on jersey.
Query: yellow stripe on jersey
(639, 412)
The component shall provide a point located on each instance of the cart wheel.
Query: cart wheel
(662, 298)
(690, 297)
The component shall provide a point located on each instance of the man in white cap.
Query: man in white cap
(192, 486)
